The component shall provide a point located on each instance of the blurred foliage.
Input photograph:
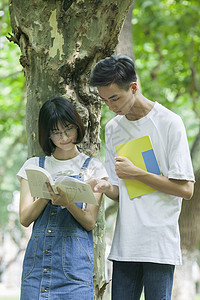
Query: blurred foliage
(106, 115)
(12, 115)
(166, 46)
(166, 37)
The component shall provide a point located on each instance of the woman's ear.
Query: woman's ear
(133, 87)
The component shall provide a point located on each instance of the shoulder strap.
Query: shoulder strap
(86, 163)
(41, 161)
(84, 166)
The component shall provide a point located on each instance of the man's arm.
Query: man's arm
(125, 169)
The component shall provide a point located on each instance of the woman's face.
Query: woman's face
(64, 137)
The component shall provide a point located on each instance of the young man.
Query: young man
(146, 243)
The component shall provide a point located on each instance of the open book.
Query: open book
(77, 190)
(140, 152)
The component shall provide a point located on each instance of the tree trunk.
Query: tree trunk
(60, 42)
(189, 228)
(126, 40)
(184, 287)
(125, 45)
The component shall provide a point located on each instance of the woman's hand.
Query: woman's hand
(87, 217)
(102, 186)
(92, 182)
(30, 208)
(59, 198)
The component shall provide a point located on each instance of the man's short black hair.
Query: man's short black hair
(118, 69)
(57, 109)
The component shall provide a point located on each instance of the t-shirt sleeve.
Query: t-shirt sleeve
(22, 172)
(95, 170)
(180, 164)
(110, 157)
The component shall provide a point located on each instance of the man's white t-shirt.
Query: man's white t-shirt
(147, 227)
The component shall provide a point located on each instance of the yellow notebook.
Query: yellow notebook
(141, 153)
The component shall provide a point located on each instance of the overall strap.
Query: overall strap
(41, 161)
(86, 163)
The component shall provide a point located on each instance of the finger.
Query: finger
(117, 165)
(92, 182)
(61, 193)
(120, 158)
(49, 187)
(99, 188)
(54, 202)
(96, 188)
(58, 190)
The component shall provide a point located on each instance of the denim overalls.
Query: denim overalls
(58, 263)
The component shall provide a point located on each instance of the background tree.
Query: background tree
(12, 138)
(60, 41)
(166, 47)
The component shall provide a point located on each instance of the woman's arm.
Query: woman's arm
(125, 169)
(86, 218)
(29, 210)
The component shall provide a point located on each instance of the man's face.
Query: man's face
(118, 100)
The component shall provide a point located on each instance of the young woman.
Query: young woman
(58, 262)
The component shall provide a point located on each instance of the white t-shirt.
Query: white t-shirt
(147, 227)
(68, 167)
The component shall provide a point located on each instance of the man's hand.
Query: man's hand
(125, 169)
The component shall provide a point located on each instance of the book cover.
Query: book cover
(77, 190)
(140, 152)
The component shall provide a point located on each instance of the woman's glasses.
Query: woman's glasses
(69, 131)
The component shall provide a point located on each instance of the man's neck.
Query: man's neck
(140, 109)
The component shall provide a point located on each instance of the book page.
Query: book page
(77, 190)
(37, 178)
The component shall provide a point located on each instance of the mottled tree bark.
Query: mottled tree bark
(125, 45)
(60, 42)
(184, 284)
